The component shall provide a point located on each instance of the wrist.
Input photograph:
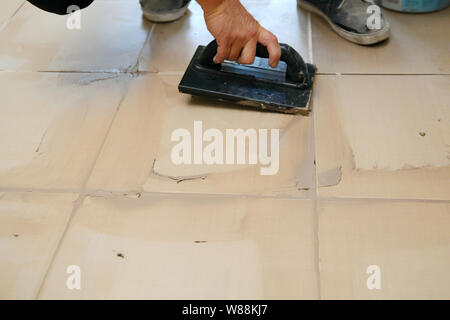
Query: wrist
(211, 6)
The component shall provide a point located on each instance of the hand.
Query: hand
(237, 32)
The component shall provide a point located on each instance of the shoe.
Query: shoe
(164, 10)
(349, 19)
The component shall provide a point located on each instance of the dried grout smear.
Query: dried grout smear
(178, 179)
(330, 177)
(136, 195)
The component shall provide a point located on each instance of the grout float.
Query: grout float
(235, 147)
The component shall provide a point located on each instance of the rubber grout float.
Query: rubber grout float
(285, 90)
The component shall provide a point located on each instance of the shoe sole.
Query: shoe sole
(165, 17)
(357, 38)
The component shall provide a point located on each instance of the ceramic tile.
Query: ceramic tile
(407, 242)
(383, 136)
(111, 37)
(188, 248)
(31, 225)
(138, 152)
(52, 126)
(7, 10)
(171, 46)
(418, 45)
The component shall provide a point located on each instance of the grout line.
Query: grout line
(379, 74)
(194, 195)
(310, 47)
(120, 193)
(81, 197)
(417, 200)
(38, 190)
(315, 209)
(135, 68)
(77, 204)
(128, 71)
(116, 72)
(181, 72)
(105, 138)
(170, 73)
(3, 26)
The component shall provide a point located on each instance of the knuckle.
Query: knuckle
(253, 34)
(221, 50)
(224, 40)
(272, 39)
(221, 55)
(246, 36)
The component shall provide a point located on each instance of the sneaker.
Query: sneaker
(164, 10)
(349, 19)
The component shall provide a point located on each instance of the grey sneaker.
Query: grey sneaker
(164, 10)
(350, 19)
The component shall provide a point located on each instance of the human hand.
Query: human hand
(237, 33)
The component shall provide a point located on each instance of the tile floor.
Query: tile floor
(86, 176)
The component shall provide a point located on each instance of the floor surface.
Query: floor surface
(358, 208)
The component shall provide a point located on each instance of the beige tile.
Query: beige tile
(7, 10)
(52, 126)
(418, 44)
(408, 241)
(137, 153)
(383, 136)
(172, 45)
(111, 37)
(169, 247)
(31, 225)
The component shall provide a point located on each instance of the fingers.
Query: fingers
(244, 53)
(269, 40)
(248, 53)
(223, 52)
(235, 51)
(231, 53)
